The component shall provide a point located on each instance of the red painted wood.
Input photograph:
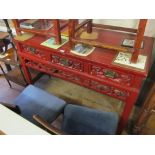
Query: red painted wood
(127, 110)
(16, 25)
(57, 31)
(138, 40)
(71, 29)
(115, 28)
(80, 69)
(24, 67)
(89, 26)
(102, 56)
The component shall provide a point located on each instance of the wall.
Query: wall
(131, 23)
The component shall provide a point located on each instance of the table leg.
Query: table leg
(26, 72)
(5, 76)
(126, 112)
(23, 66)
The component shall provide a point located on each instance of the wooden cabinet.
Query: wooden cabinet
(145, 123)
(96, 71)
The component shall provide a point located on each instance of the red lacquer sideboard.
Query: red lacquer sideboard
(96, 71)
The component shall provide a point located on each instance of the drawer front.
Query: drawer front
(75, 78)
(109, 90)
(40, 67)
(112, 75)
(92, 84)
(36, 52)
(57, 72)
(67, 62)
(78, 79)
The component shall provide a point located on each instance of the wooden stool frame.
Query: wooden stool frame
(74, 27)
(55, 31)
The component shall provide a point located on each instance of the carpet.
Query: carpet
(75, 94)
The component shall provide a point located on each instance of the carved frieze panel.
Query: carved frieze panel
(67, 62)
(115, 76)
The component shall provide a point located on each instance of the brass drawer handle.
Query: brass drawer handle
(64, 62)
(55, 57)
(119, 93)
(32, 49)
(110, 74)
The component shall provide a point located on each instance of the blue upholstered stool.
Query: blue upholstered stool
(79, 120)
(34, 100)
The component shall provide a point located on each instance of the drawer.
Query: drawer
(78, 79)
(112, 75)
(36, 52)
(92, 84)
(40, 66)
(67, 62)
(109, 90)
(72, 77)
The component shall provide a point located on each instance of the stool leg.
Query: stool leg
(6, 77)
(8, 67)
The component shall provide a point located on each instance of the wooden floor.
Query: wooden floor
(65, 90)
(6, 93)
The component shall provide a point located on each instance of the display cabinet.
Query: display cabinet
(97, 71)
